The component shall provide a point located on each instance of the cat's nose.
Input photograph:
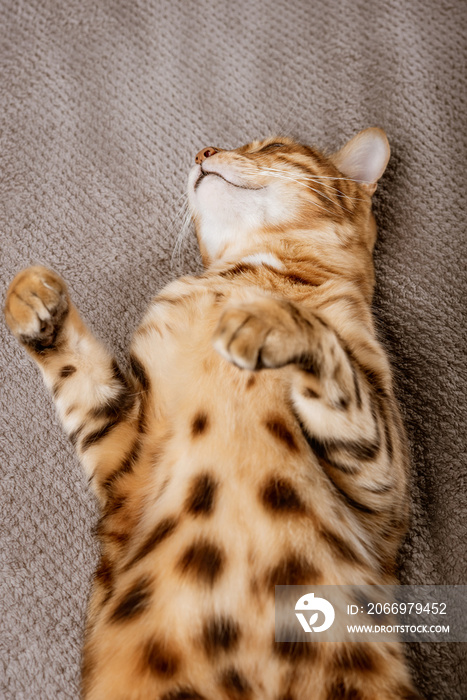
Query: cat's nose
(205, 153)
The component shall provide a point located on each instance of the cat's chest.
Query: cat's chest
(174, 339)
(192, 385)
(175, 343)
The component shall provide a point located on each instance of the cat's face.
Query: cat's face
(270, 188)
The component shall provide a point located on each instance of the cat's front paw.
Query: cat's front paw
(36, 307)
(261, 334)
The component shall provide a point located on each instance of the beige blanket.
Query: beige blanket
(103, 104)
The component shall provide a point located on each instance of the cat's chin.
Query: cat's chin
(223, 171)
(213, 173)
(226, 210)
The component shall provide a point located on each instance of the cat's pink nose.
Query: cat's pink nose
(205, 153)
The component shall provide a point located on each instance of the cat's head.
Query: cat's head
(270, 194)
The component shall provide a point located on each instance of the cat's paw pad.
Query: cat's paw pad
(36, 307)
(256, 335)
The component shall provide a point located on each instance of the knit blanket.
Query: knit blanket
(103, 105)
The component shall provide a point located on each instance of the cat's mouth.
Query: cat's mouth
(203, 174)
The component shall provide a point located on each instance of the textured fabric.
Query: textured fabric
(103, 104)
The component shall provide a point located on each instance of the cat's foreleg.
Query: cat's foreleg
(346, 421)
(273, 333)
(95, 401)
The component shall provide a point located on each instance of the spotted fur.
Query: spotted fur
(255, 440)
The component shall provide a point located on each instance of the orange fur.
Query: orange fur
(255, 442)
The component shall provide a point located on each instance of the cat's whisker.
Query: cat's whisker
(349, 179)
(315, 180)
(182, 222)
(318, 177)
(287, 177)
(180, 205)
(299, 182)
(274, 172)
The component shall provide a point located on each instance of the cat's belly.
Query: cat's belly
(230, 502)
(234, 434)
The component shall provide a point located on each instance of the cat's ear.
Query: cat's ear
(364, 158)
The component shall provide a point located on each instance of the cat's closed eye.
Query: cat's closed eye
(271, 147)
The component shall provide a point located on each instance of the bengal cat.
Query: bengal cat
(254, 442)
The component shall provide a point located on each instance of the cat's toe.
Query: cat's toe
(258, 335)
(36, 306)
(239, 337)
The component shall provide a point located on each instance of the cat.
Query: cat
(255, 440)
